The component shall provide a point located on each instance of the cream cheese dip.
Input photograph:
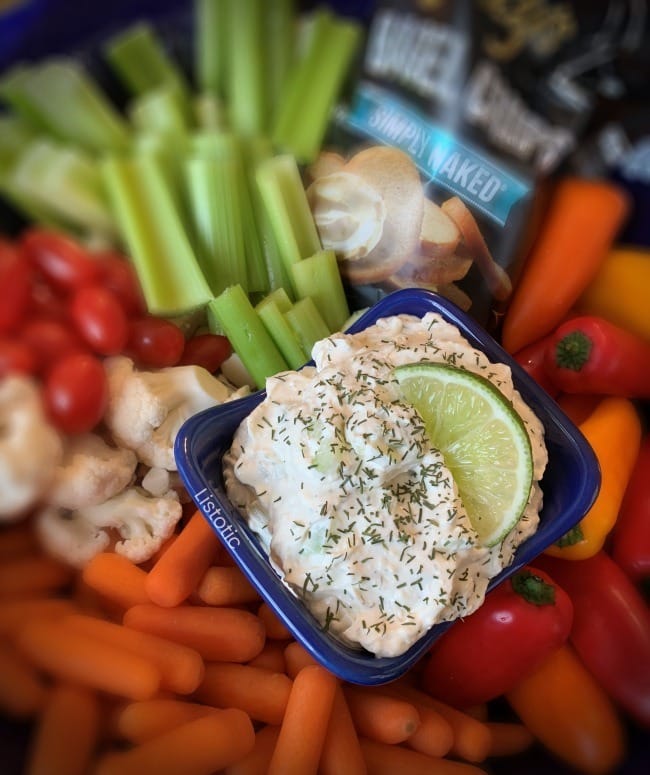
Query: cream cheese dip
(357, 511)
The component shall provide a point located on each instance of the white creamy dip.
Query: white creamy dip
(357, 510)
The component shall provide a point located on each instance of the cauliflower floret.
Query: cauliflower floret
(144, 523)
(30, 448)
(157, 481)
(147, 408)
(91, 472)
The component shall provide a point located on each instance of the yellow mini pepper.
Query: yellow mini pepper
(619, 290)
(614, 431)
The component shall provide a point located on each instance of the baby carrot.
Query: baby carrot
(576, 235)
(271, 657)
(17, 541)
(225, 585)
(66, 734)
(274, 628)
(15, 613)
(380, 716)
(261, 693)
(144, 720)
(434, 735)
(76, 657)
(296, 657)
(33, 575)
(257, 761)
(180, 569)
(479, 712)
(305, 722)
(117, 579)
(341, 754)
(509, 739)
(181, 668)
(22, 691)
(472, 738)
(200, 747)
(384, 759)
(219, 634)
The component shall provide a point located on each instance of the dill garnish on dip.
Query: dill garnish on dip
(359, 512)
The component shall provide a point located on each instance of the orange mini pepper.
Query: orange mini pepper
(614, 431)
(568, 712)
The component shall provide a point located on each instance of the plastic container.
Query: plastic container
(570, 485)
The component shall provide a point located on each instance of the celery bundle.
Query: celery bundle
(198, 177)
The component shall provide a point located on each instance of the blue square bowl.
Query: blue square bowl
(570, 485)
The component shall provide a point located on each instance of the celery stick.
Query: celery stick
(216, 220)
(139, 59)
(281, 332)
(169, 150)
(209, 112)
(226, 149)
(161, 109)
(246, 88)
(284, 199)
(210, 37)
(258, 149)
(319, 278)
(15, 135)
(307, 323)
(257, 272)
(152, 229)
(279, 297)
(247, 334)
(312, 89)
(64, 182)
(213, 179)
(73, 106)
(279, 23)
(12, 92)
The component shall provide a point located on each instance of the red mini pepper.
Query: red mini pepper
(531, 360)
(590, 355)
(520, 623)
(631, 539)
(611, 629)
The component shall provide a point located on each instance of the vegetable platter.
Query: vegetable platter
(159, 655)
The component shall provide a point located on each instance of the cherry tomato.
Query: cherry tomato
(64, 263)
(155, 342)
(100, 319)
(16, 358)
(16, 276)
(119, 276)
(207, 350)
(75, 393)
(47, 302)
(50, 340)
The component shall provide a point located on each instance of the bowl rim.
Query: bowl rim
(203, 435)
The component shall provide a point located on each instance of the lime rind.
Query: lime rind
(483, 441)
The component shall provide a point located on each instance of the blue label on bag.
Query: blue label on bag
(441, 158)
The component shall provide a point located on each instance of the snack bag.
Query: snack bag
(433, 165)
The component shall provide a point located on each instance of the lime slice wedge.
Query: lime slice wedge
(482, 439)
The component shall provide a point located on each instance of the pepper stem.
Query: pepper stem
(533, 588)
(573, 350)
